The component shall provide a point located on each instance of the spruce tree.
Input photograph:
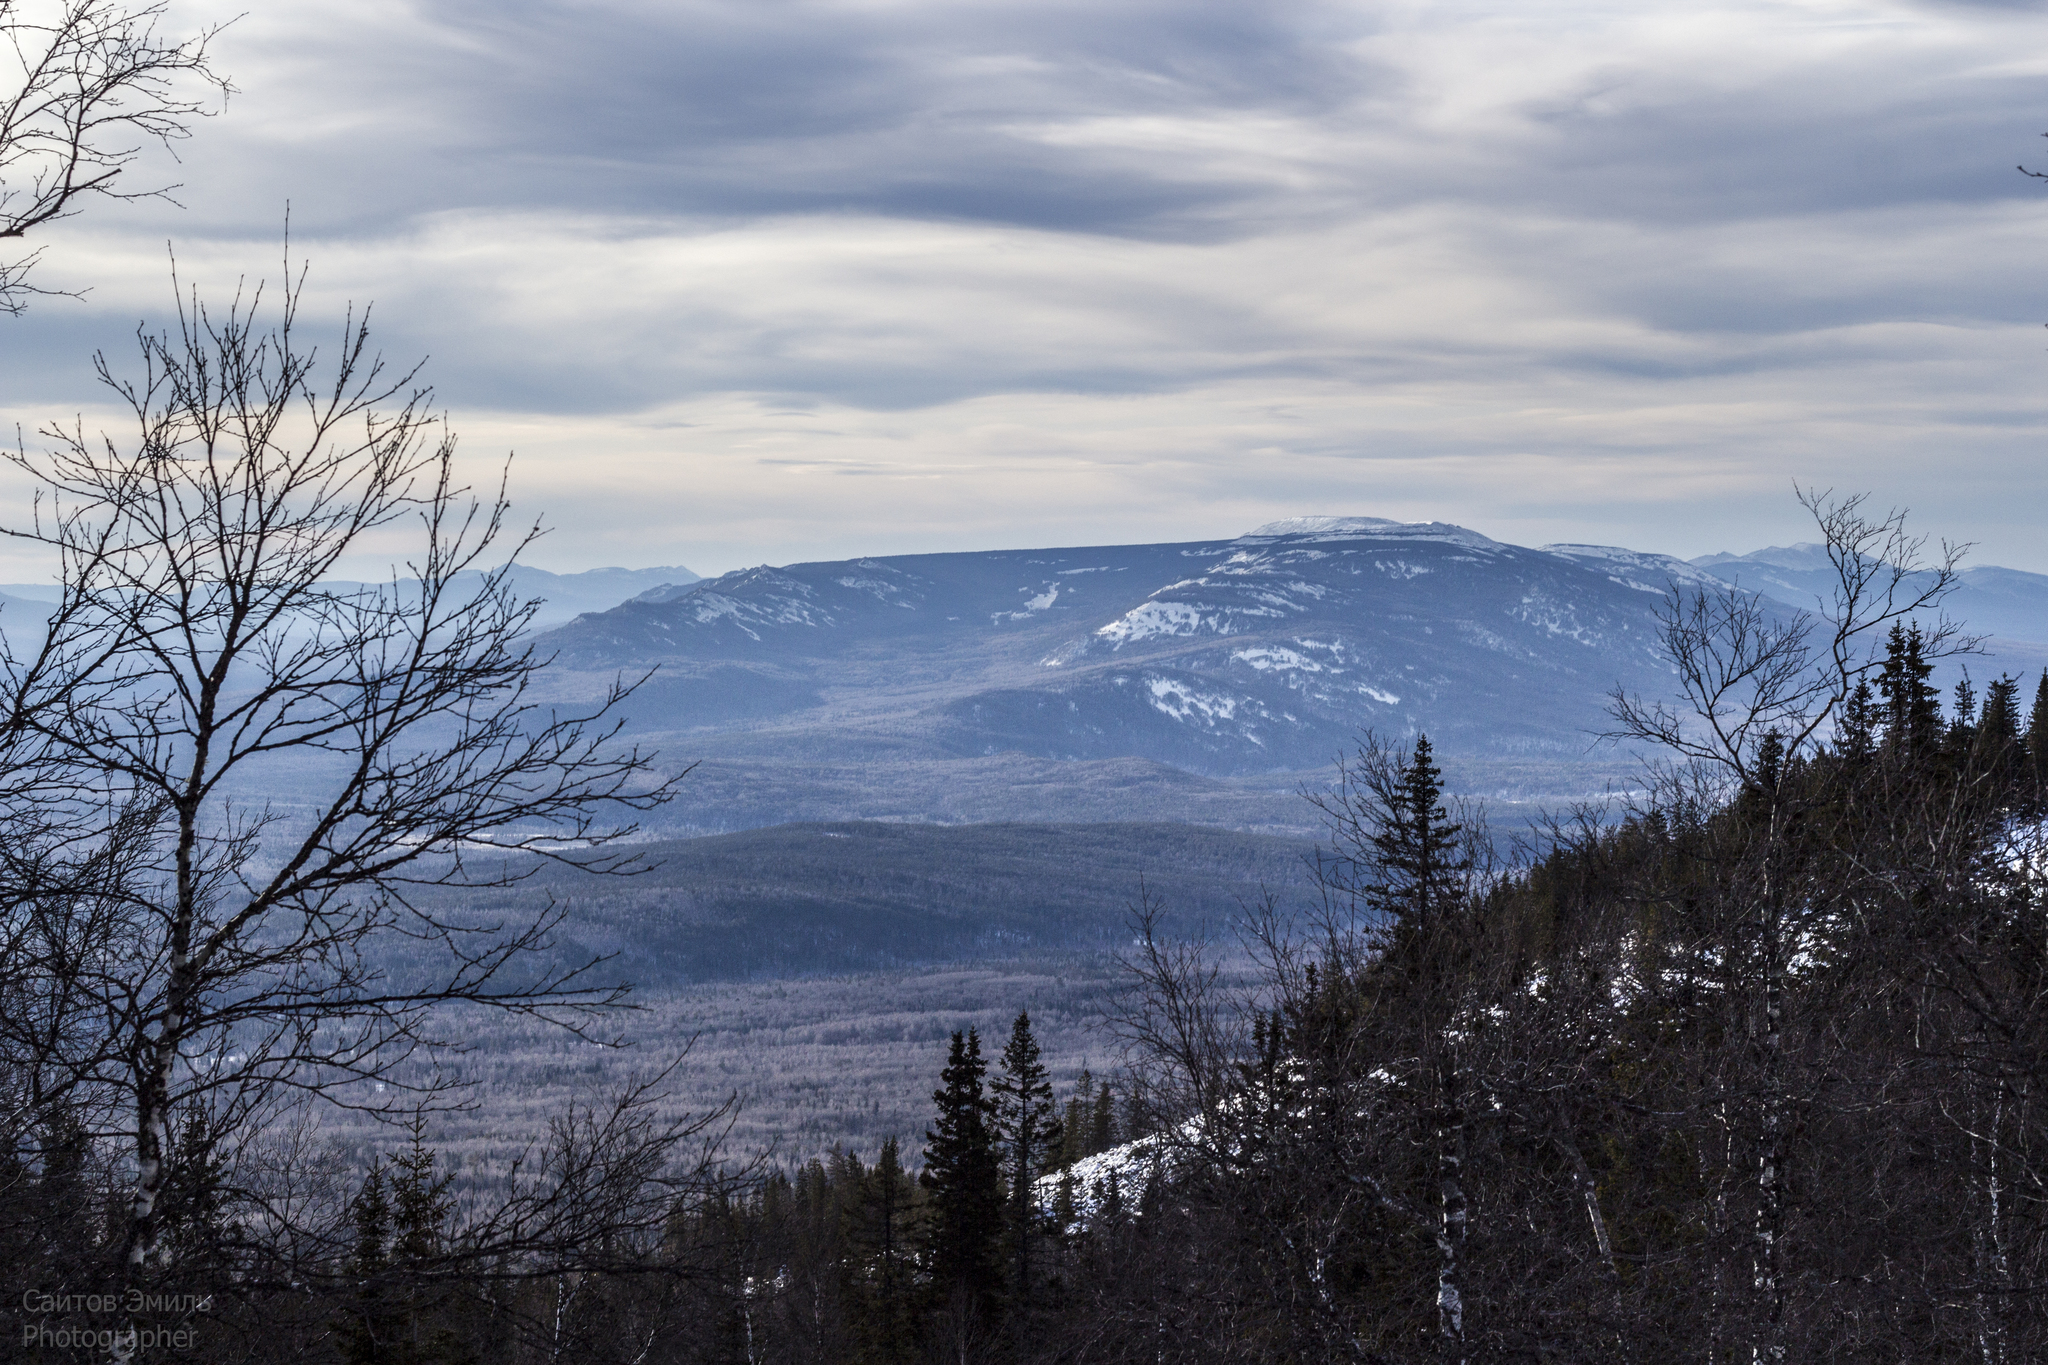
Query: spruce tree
(1962, 724)
(1074, 1124)
(2037, 739)
(1912, 706)
(884, 1324)
(1418, 867)
(1767, 771)
(1102, 1131)
(420, 1203)
(420, 1207)
(194, 1195)
(1859, 723)
(368, 1326)
(1028, 1127)
(963, 1180)
(371, 1214)
(1997, 754)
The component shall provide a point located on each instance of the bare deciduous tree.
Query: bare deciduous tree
(88, 84)
(1763, 691)
(1746, 669)
(227, 775)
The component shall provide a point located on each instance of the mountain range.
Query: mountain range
(1204, 680)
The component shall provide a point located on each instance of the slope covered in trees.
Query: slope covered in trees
(1749, 1071)
(862, 895)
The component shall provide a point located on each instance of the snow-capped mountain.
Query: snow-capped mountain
(1264, 653)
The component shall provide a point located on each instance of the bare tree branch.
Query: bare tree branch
(85, 86)
(215, 947)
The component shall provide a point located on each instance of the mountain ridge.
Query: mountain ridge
(1259, 654)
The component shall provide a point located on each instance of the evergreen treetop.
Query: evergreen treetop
(1028, 1127)
(2037, 736)
(1418, 860)
(963, 1179)
(1912, 707)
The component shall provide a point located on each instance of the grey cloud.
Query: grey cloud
(1354, 207)
(743, 109)
(1842, 142)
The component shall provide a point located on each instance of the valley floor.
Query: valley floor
(813, 1062)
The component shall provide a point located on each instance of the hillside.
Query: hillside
(1201, 681)
(840, 897)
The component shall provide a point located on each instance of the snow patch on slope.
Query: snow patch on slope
(1031, 607)
(1279, 659)
(1182, 702)
(1119, 1174)
(1539, 610)
(1149, 620)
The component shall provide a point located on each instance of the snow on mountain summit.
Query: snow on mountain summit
(1308, 526)
(1368, 528)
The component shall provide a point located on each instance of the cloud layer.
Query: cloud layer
(770, 281)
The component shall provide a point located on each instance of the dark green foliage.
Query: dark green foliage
(1962, 725)
(1027, 1128)
(1102, 1129)
(1859, 723)
(1997, 749)
(1418, 865)
(370, 1212)
(1912, 707)
(53, 1215)
(963, 1184)
(2037, 735)
(1088, 1125)
(881, 1268)
(404, 1311)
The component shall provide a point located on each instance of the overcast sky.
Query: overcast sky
(762, 281)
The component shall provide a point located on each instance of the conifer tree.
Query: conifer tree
(1417, 862)
(1767, 771)
(1962, 724)
(2037, 738)
(963, 1180)
(193, 1194)
(1102, 1131)
(370, 1211)
(64, 1191)
(1074, 1123)
(883, 1322)
(420, 1203)
(1997, 752)
(1859, 723)
(420, 1206)
(1028, 1127)
(1912, 706)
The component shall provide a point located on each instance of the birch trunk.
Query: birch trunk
(1451, 1227)
(1768, 1340)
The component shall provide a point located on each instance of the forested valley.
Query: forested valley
(1744, 1072)
(362, 1001)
